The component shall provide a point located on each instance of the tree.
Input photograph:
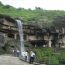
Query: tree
(7, 6)
(59, 21)
(1, 4)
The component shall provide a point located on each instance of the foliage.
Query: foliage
(47, 55)
(2, 50)
(59, 21)
(39, 15)
(1, 4)
(43, 18)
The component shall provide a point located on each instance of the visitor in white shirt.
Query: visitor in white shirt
(25, 55)
(32, 56)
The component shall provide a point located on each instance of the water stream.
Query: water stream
(20, 29)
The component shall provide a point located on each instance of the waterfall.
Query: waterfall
(20, 29)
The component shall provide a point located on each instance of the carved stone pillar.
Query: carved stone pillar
(49, 43)
(15, 36)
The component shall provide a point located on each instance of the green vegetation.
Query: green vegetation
(43, 17)
(47, 55)
(38, 15)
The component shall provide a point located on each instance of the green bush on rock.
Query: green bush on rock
(48, 56)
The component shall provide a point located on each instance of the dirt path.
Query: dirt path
(10, 60)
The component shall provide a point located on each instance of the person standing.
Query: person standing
(18, 52)
(32, 57)
(26, 54)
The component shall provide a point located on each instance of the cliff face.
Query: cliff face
(7, 44)
(2, 39)
(2, 42)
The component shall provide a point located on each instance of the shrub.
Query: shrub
(47, 55)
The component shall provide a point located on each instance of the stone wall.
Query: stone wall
(6, 43)
(2, 39)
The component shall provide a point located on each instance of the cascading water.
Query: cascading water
(20, 29)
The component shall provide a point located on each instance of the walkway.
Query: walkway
(10, 60)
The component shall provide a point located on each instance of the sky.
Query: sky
(45, 4)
